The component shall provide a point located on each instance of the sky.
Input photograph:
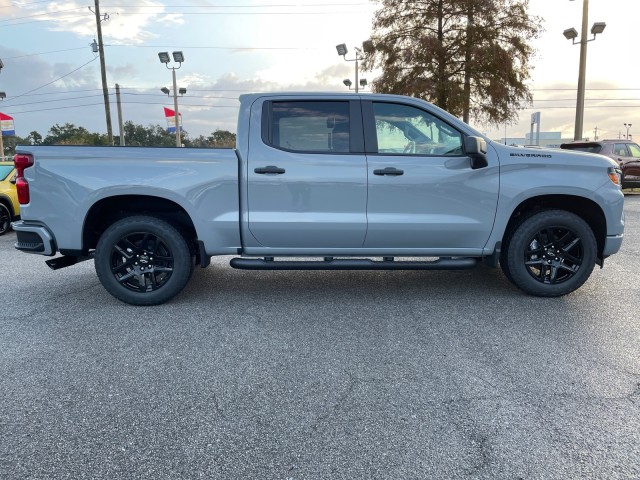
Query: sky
(51, 75)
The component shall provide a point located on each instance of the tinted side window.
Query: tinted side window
(403, 129)
(310, 126)
(634, 149)
(620, 149)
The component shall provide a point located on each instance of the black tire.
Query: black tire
(143, 260)
(550, 254)
(5, 219)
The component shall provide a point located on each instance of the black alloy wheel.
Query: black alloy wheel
(550, 253)
(554, 255)
(143, 260)
(5, 219)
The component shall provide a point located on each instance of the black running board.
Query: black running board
(329, 263)
(65, 261)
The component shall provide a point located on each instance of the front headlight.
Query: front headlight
(615, 175)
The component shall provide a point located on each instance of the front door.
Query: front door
(423, 193)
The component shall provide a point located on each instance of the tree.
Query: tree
(34, 138)
(470, 57)
(69, 134)
(222, 139)
(10, 143)
(217, 139)
(151, 136)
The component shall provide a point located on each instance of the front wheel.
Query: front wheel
(550, 254)
(143, 260)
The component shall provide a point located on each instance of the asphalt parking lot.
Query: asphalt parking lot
(320, 375)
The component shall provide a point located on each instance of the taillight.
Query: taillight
(21, 163)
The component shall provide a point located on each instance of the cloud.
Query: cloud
(122, 22)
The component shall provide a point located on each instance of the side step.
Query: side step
(329, 263)
(65, 261)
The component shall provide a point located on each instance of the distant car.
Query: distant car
(625, 152)
(9, 206)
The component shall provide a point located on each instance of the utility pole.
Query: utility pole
(595, 134)
(103, 71)
(120, 115)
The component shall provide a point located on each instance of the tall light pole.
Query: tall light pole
(572, 34)
(178, 58)
(367, 46)
(628, 125)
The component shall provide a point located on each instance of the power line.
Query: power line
(587, 99)
(124, 103)
(42, 14)
(16, 4)
(45, 53)
(209, 47)
(282, 5)
(9, 24)
(573, 89)
(53, 81)
(156, 95)
(43, 20)
(238, 13)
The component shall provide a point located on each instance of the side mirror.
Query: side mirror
(476, 148)
(13, 179)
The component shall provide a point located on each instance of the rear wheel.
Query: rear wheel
(5, 219)
(551, 253)
(143, 260)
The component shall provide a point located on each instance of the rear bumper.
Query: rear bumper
(33, 238)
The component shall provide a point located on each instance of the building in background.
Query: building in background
(547, 139)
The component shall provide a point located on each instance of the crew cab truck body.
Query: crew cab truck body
(346, 181)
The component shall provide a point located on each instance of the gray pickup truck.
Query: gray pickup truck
(322, 181)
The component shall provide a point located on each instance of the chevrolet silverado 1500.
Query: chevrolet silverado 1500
(338, 181)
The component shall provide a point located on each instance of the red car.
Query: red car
(625, 152)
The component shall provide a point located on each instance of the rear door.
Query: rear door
(422, 192)
(307, 175)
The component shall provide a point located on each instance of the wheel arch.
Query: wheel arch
(583, 207)
(6, 201)
(111, 209)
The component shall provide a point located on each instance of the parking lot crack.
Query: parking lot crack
(338, 404)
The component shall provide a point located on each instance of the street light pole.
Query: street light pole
(342, 51)
(577, 134)
(628, 125)
(178, 57)
(571, 34)
(175, 106)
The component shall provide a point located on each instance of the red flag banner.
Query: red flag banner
(170, 115)
(7, 125)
